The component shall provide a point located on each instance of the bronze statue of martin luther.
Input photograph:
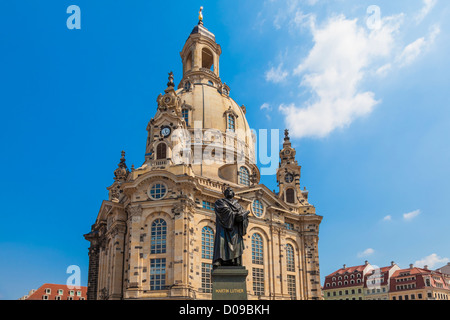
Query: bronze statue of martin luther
(231, 226)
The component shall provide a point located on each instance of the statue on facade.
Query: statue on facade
(231, 226)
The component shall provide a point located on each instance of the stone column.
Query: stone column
(134, 274)
(118, 237)
(92, 237)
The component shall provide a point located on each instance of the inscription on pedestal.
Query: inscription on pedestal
(229, 283)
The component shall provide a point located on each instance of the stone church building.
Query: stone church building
(153, 238)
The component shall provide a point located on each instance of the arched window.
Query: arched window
(244, 176)
(258, 259)
(185, 115)
(257, 249)
(290, 262)
(161, 151)
(207, 254)
(207, 243)
(207, 59)
(257, 207)
(290, 195)
(158, 236)
(188, 62)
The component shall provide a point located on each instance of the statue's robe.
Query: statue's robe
(231, 226)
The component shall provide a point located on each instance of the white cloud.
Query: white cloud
(387, 218)
(366, 253)
(265, 106)
(432, 261)
(414, 49)
(428, 5)
(334, 79)
(411, 215)
(276, 75)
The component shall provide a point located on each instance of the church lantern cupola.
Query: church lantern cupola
(200, 57)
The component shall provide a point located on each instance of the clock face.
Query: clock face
(289, 178)
(165, 132)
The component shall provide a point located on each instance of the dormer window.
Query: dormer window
(185, 116)
(230, 117)
(231, 122)
(244, 176)
(187, 86)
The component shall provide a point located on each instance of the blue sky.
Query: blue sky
(367, 105)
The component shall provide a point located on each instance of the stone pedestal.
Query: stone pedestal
(229, 283)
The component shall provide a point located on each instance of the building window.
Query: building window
(161, 151)
(244, 176)
(290, 195)
(231, 125)
(207, 243)
(208, 205)
(185, 116)
(257, 249)
(289, 226)
(258, 208)
(79, 293)
(158, 236)
(69, 298)
(71, 292)
(157, 274)
(258, 281)
(44, 297)
(158, 191)
(291, 286)
(206, 277)
(290, 263)
(58, 298)
(60, 292)
(48, 291)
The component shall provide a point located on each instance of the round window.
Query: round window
(258, 208)
(157, 191)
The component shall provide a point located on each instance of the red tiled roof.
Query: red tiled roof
(54, 292)
(349, 270)
(342, 272)
(418, 279)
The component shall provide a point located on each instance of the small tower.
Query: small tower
(200, 57)
(288, 173)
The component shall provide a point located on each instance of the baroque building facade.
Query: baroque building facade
(153, 238)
